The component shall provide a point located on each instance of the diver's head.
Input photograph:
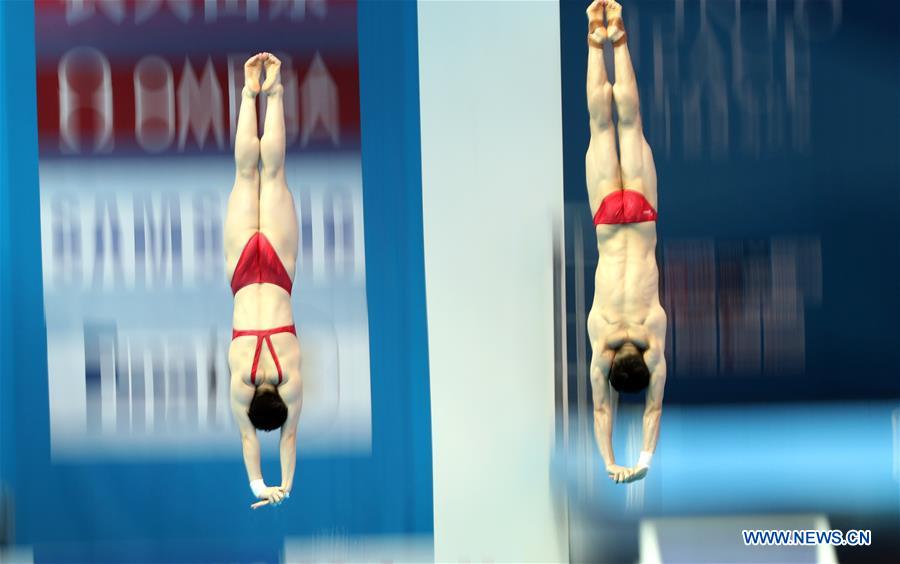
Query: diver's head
(629, 372)
(267, 410)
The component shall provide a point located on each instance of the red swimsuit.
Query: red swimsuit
(624, 206)
(259, 263)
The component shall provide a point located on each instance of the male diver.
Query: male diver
(260, 258)
(627, 324)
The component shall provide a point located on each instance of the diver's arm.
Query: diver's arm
(604, 412)
(241, 396)
(652, 415)
(653, 406)
(287, 447)
(603, 428)
(291, 394)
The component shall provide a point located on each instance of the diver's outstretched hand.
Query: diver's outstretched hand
(624, 475)
(270, 496)
(637, 473)
(619, 474)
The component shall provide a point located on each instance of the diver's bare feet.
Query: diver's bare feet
(615, 26)
(253, 72)
(272, 85)
(596, 29)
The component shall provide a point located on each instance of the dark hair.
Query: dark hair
(629, 372)
(267, 410)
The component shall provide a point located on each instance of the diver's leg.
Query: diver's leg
(638, 171)
(242, 216)
(601, 161)
(277, 218)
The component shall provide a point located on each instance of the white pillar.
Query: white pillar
(489, 77)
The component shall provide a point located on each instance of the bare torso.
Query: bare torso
(263, 306)
(626, 286)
